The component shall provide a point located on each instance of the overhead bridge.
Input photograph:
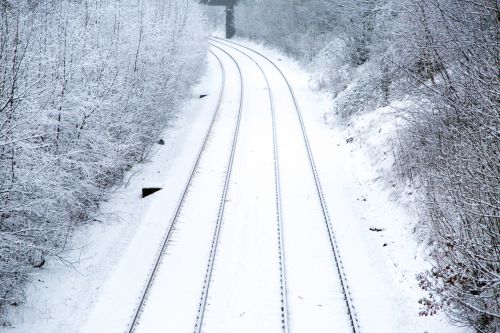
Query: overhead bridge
(230, 27)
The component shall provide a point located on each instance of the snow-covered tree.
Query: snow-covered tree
(85, 87)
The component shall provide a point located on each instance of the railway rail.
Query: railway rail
(215, 240)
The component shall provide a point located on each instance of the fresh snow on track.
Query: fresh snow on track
(172, 301)
(243, 291)
(315, 296)
(244, 295)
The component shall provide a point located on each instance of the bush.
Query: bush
(451, 147)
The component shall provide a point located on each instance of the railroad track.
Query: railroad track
(222, 205)
(180, 203)
(215, 240)
(326, 215)
(277, 189)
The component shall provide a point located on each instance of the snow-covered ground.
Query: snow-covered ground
(116, 256)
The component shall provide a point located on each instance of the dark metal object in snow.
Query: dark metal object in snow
(203, 96)
(230, 27)
(147, 191)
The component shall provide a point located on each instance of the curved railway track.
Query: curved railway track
(277, 189)
(326, 215)
(178, 209)
(217, 43)
(215, 240)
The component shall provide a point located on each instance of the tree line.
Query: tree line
(85, 88)
(443, 57)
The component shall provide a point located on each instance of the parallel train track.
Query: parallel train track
(326, 215)
(219, 223)
(215, 240)
(277, 188)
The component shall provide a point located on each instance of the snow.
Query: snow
(244, 294)
(117, 255)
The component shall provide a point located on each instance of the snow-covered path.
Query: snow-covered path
(250, 246)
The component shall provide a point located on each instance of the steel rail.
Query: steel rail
(216, 237)
(180, 203)
(277, 188)
(331, 232)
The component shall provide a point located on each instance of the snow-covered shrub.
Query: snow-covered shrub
(85, 88)
(332, 67)
(363, 93)
(451, 146)
(332, 37)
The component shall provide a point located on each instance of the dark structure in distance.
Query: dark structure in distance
(230, 29)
